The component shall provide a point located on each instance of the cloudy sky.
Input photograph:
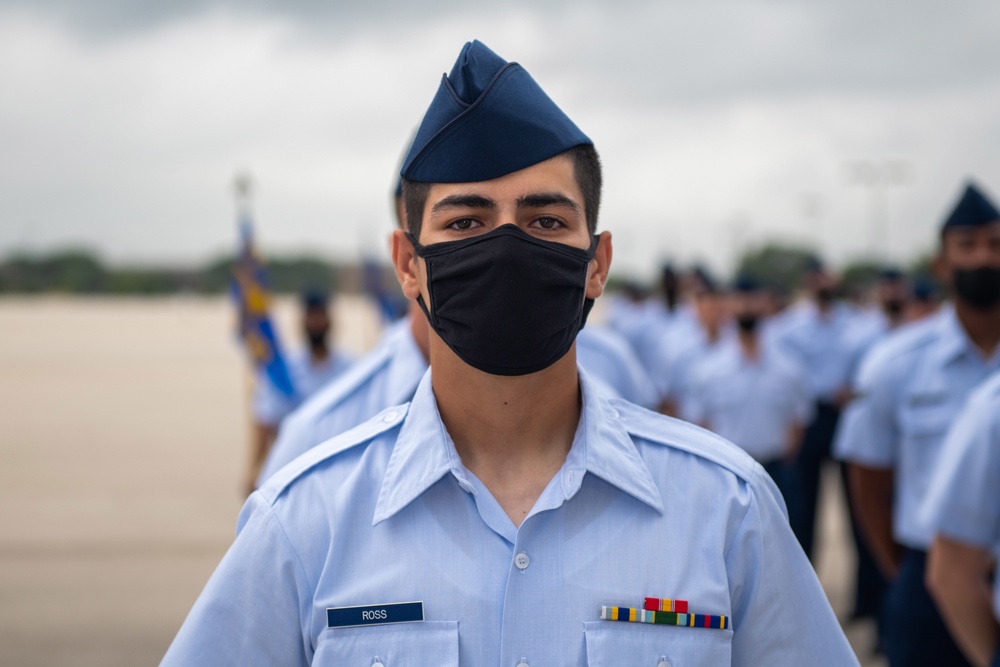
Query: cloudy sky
(722, 124)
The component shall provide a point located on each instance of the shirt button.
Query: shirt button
(524, 661)
(377, 662)
(389, 417)
(663, 662)
(522, 561)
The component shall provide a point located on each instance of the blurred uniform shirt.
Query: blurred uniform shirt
(386, 376)
(677, 356)
(608, 358)
(911, 388)
(963, 503)
(644, 505)
(270, 405)
(820, 344)
(751, 402)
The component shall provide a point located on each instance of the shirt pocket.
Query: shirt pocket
(612, 644)
(401, 645)
(925, 426)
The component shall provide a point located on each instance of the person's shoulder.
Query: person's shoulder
(332, 453)
(659, 430)
(346, 385)
(898, 348)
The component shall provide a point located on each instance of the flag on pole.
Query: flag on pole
(250, 293)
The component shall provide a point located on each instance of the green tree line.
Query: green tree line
(83, 272)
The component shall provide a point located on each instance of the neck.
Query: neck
(712, 332)
(513, 433)
(319, 352)
(748, 343)
(419, 330)
(982, 326)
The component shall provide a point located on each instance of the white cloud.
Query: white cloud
(713, 130)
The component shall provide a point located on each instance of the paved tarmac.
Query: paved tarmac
(124, 436)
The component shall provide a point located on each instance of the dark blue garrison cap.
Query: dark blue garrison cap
(972, 210)
(488, 119)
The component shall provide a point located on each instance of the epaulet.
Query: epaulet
(362, 434)
(671, 432)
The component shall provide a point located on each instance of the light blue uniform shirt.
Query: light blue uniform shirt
(608, 358)
(911, 387)
(270, 405)
(644, 505)
(386, 376)
(819, 343)
(677, 356)
(964, 499)
(752, 403)
(389, 375)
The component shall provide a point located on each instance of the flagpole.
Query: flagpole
(243, 193)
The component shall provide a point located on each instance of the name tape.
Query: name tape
(374, 614)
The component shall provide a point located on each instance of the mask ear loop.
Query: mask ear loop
(420, 297)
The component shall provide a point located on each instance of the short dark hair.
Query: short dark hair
(586, 170)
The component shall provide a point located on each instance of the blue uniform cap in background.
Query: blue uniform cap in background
(488, 119)
(972, 210)
(314, 298)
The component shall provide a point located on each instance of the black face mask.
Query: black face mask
(747, 323)
(825, 295)
(506, 302)
(894, 307)
(979, 287)
(317, 339)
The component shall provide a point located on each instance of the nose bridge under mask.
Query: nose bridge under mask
(506, 302)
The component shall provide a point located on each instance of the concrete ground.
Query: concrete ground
(123, 436)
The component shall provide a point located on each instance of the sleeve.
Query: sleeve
(251, 610)
(868, 433)
(781, 615)
(269, 405)
(963, 502)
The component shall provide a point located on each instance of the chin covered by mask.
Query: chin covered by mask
(825, 295)
(894, 307)
(317, 339)
(506, 302)
(979, 287)
(747, 323)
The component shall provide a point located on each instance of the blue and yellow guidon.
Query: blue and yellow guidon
(250, 293)
(633, 615)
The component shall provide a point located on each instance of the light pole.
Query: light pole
(243, 189)
(876, 177)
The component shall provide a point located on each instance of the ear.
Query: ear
(597, 276)
(404, 259)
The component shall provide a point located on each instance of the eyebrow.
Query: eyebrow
(535, 200)
(464, 201)
(543, 199)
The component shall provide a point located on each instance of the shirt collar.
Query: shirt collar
(424, 453)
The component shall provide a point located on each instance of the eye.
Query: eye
(463, 224)
(548, 223)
